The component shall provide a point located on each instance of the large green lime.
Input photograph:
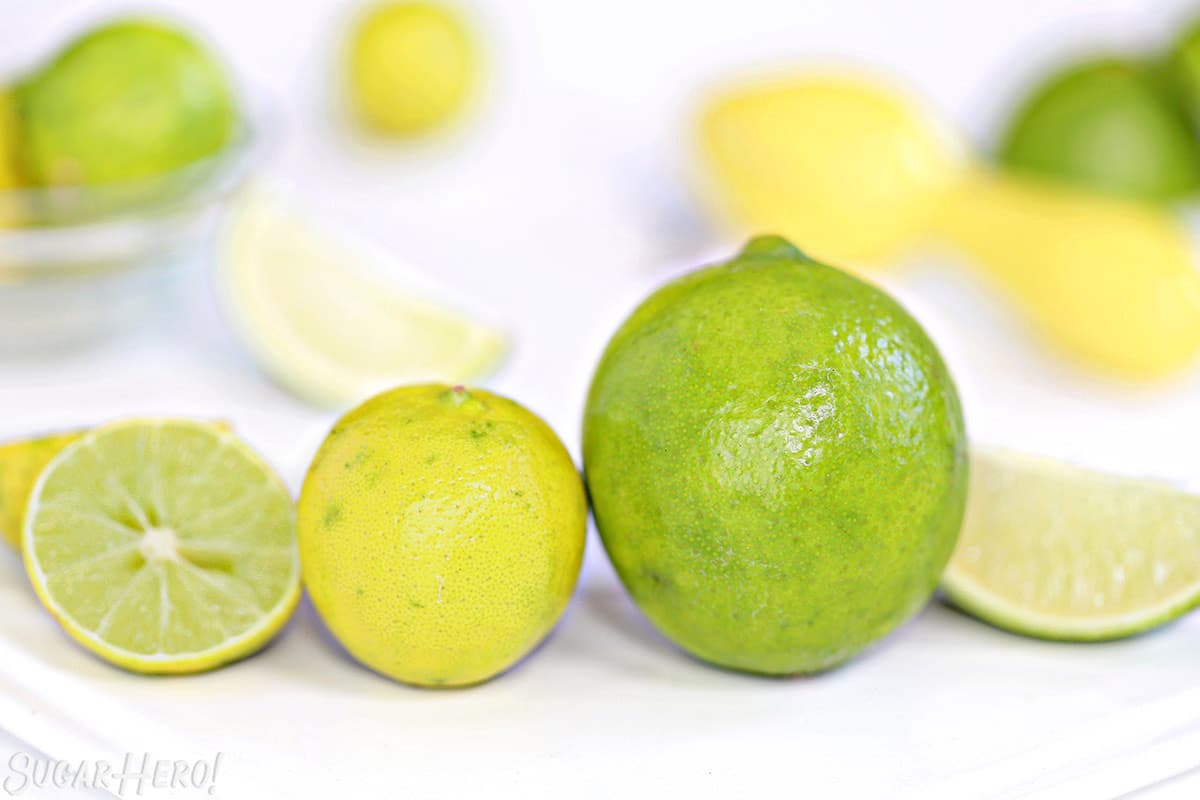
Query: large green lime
(776, 460)
(1109, 125)
(128, 100)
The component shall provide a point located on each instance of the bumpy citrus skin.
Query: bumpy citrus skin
(776, 461)
(441, 533)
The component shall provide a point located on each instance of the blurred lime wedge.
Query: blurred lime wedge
(1057, 552)
(335, 321)
(163, 546)
(412, 66)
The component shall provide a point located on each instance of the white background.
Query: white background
(554, 208)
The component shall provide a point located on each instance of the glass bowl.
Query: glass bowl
(77, 263)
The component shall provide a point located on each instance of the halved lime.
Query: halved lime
(1058, 552)
(334, 320)
(163, 546)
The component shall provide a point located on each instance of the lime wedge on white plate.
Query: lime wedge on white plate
(1058, 552)
(163, 546)
(334, 319)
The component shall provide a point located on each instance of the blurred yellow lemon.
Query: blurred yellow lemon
(1112, 282)
(412, 66)
(846, 167)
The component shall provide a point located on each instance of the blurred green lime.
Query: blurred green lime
(128, 100)
(1183, 67)
(1109, 125)
(412, 66)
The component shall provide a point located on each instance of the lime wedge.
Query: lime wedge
(1057, 552)
(334, 320)
(163, 546)
(21, 463)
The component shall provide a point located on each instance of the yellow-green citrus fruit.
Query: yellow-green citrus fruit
(1110, 282)
(847, 166)
(1108, 125)
(441, 533)
(128, 100)
(1182, 68)
(10, 175)
(412, 66)
(776, 460)
(21, 462)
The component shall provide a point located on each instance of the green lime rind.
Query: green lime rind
(131, 99)
(1109, 125)
(1056, 552)
(163, 546)
(776, 458)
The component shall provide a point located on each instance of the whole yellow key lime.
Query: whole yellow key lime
(847, 167)
(441, 533)
(412, 66)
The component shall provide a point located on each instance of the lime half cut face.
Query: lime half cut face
(163, 546)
